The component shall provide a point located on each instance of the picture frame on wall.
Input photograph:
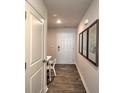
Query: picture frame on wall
(84, 37)
(89, 43)
(80, 43)
(93, 40)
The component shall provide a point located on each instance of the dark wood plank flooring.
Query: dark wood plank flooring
(66, 81)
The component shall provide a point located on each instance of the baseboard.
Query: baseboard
(82, 79)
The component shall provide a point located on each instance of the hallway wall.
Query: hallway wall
(89, 73)
(52, 39)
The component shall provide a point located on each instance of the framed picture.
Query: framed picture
(93, 32)
(84, 43)
(80, 43)
(89, 43)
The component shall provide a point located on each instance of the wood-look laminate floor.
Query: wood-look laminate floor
(66, 81)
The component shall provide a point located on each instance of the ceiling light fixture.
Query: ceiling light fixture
(59, 21)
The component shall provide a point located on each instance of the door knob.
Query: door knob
(44, 61)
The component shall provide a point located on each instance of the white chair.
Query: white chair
(51, 65)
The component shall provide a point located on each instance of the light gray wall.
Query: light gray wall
(52, 39)
(51, 42)
(89, 73)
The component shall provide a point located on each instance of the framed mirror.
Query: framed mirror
(93, 32)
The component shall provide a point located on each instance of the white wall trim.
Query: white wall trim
(82, 79)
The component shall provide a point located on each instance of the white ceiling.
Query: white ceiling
(70, 12)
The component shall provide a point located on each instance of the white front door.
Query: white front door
(34, 72)
(65, 48)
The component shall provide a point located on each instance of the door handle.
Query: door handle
(45, 61)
